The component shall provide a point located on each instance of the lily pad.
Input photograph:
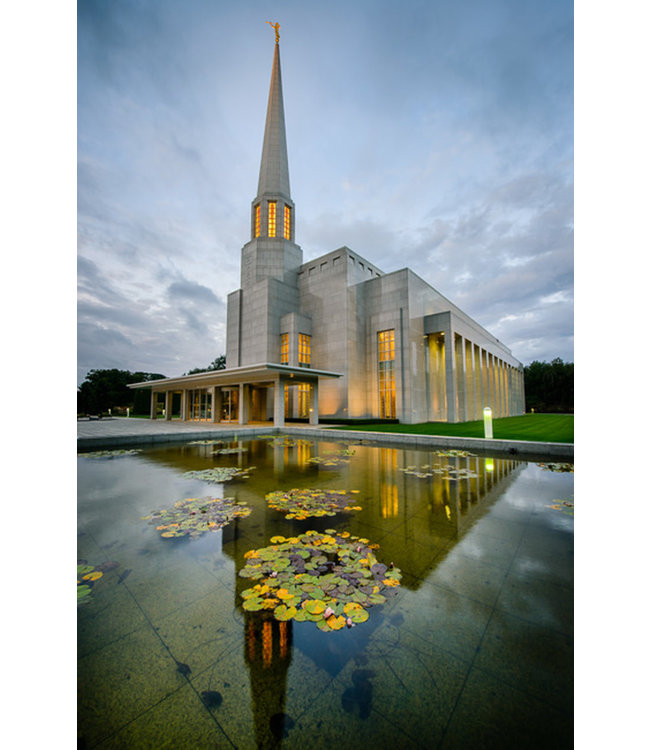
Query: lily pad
(559, 467)
(195, 516)
(345, 579)
(300, 504)
(220, 474)
(109, 454)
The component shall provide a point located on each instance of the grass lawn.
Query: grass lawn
(548, 428)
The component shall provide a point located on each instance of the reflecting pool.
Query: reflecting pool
(464, 565)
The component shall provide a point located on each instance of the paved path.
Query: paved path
(116, 431)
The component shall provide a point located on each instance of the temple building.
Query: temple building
(337, 337)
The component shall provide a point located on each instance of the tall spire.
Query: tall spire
(274, 167)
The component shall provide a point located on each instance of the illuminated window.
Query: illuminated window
(258, 211)
(304, 350)
(303, 400)
(386, 357)
(271, 218)
(287, 222)
(284, 348)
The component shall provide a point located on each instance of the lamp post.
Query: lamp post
(487, 422)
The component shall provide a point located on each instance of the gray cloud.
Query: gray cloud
(451, 154)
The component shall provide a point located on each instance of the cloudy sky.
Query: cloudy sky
(427, 133)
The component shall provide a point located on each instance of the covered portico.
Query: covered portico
(254, 393)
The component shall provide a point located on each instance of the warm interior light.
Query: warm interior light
(271, 218)
(258, 211)
(287, 222)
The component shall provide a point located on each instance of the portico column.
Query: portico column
(313, 407)
(184, 405)
(476, 368)
(450, 376)
(461, 388)
(154, 404)
(168, 405)
(243, 403)
(278, 402)
(216, 404)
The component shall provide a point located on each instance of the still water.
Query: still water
(474, 648)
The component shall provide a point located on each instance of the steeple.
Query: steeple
(272, 214)
(274, 167)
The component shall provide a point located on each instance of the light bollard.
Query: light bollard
(487, 422)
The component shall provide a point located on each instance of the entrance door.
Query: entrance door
(230, 405)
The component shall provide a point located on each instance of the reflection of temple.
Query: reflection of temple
(428, 513)
(427, 517)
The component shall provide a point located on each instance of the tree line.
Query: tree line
(549, 386)
(108, 389)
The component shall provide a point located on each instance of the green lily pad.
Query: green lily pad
(303, 503)
(254, 604)
(220, 474)
(283, 612)
(340, 566)
(109, 454)
(195, 516)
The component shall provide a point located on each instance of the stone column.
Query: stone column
(468, 349)
(154, 404)
(216, 404)
(485, 380)
(278, 402)
(184, 405)
(461, 391)
(478, 379)
(169, 395)
(243, 403)
(313, 405)
(450, 376)
(492, 403)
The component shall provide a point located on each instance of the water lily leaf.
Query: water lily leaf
(254, 604)
(336, 623)
(343, 571)
(94, 576)
(83, 569)
(314, 606)
(282, 612)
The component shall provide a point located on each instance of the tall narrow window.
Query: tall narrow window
(303, 400)
(272, 218)
(304, 350)
(386, 361)
(287, 222)
(258, 212)
(284, 348)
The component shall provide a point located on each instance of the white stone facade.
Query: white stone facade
(446, 367)
(336, 337)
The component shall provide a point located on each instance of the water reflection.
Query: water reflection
(417, 505)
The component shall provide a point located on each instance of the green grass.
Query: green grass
(547, 428)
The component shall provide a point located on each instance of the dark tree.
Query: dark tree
(107, 389)
(549, 386)
(217, 364)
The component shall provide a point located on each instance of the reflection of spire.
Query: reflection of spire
(267, 652)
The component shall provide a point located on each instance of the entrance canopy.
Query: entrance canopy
(230, 394)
